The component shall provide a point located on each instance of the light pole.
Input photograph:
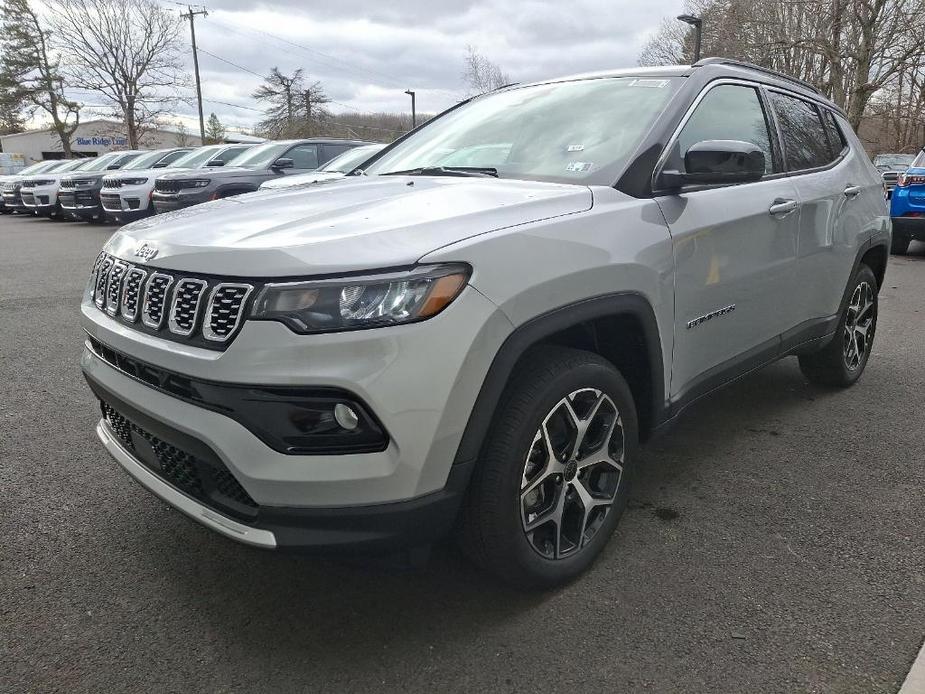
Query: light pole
(414, 117)
(697, 23)
(191, 16)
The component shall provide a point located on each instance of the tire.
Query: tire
(516, 482)
(842, 361)
(900, 244)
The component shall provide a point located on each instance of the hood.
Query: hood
(136, 173)
(301, 179)
(359, 224)
(213, 171)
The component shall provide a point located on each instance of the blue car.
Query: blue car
(907, 206)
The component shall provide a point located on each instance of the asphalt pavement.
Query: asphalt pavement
(775, 542)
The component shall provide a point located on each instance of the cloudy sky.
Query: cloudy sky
(367, 52)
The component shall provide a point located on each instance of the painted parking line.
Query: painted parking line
(915, 680)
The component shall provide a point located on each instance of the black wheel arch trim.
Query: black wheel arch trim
(540, 327)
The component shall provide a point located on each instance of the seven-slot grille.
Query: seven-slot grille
(167, 186)
(67, 183)
(112, 183)
(204, 311)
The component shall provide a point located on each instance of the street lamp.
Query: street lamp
(697, 23)
(410, 93)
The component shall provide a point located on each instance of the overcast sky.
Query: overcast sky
(367, 52)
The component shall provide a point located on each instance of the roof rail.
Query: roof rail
(759, 68)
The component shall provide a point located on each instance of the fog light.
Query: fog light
(346, 416)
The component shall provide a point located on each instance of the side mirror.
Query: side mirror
(283, 163)
(112, 167)
(215, 162)
(717, 161)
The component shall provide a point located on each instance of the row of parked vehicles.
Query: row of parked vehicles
(120, 187)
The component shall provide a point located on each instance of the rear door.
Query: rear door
(734, 247)
(840, 196)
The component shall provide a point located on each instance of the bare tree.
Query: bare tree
(30, 75)
(294, 109)
(856, 51)
(128, 51)
(480, 74)
(183, 137)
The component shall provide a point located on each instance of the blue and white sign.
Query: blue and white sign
(102, 141)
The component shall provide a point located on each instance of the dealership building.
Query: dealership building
(90, 139)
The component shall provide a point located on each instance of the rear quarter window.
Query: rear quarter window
(806, 144)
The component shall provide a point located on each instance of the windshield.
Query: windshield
(71, 165)
(102, 162)
(576, 132)
(261, 156)
(197, 157)
(352, 158)
(38, 167)
(919, 161)
(146, 161)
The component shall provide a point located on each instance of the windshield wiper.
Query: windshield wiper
(447, 171)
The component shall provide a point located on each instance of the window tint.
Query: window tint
(331, 151)
(836, 139)
(728, 112)
(806, 145)
(303, 156)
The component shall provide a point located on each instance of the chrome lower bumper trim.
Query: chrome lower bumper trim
(192, 508)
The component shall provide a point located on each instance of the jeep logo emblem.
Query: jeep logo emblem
(145, 252)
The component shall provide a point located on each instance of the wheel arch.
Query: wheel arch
(620, 327)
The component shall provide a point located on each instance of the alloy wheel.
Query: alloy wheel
(572, 473)
(859, 325)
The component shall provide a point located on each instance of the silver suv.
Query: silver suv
(479, 347)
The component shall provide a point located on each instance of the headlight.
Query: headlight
(362, 302)
(196, 183)
(83, 182)
(134, 181)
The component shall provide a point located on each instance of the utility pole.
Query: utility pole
(191, 16)
(697, 23)
(414, 117)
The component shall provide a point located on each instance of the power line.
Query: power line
(228, 62)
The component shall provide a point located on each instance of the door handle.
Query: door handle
(781, 207)
(852, 192)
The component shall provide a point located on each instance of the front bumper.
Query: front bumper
(420, 381)
(81, 203)
(167, 202)
(13, 201)
(126, 204)
(40, 199)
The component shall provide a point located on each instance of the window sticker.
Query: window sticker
(579, 166)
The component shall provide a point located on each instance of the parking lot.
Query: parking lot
(773, 544)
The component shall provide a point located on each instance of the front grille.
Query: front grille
(114, 286)
(166, 186)
(224, 310)
(131, 293)
(185, 307)
(112, 183)
(67, 183)
(206, 480)
(204, 311)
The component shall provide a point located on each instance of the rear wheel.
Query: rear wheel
(842, 361)
(552, 483)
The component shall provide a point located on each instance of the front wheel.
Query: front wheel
(842, 361)
(552, 483)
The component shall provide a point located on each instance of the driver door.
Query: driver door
(734, 246)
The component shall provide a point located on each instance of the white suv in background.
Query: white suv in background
(40, 192)
(126, 194)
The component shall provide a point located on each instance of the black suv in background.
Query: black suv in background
(79, 195)
(246, 172)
